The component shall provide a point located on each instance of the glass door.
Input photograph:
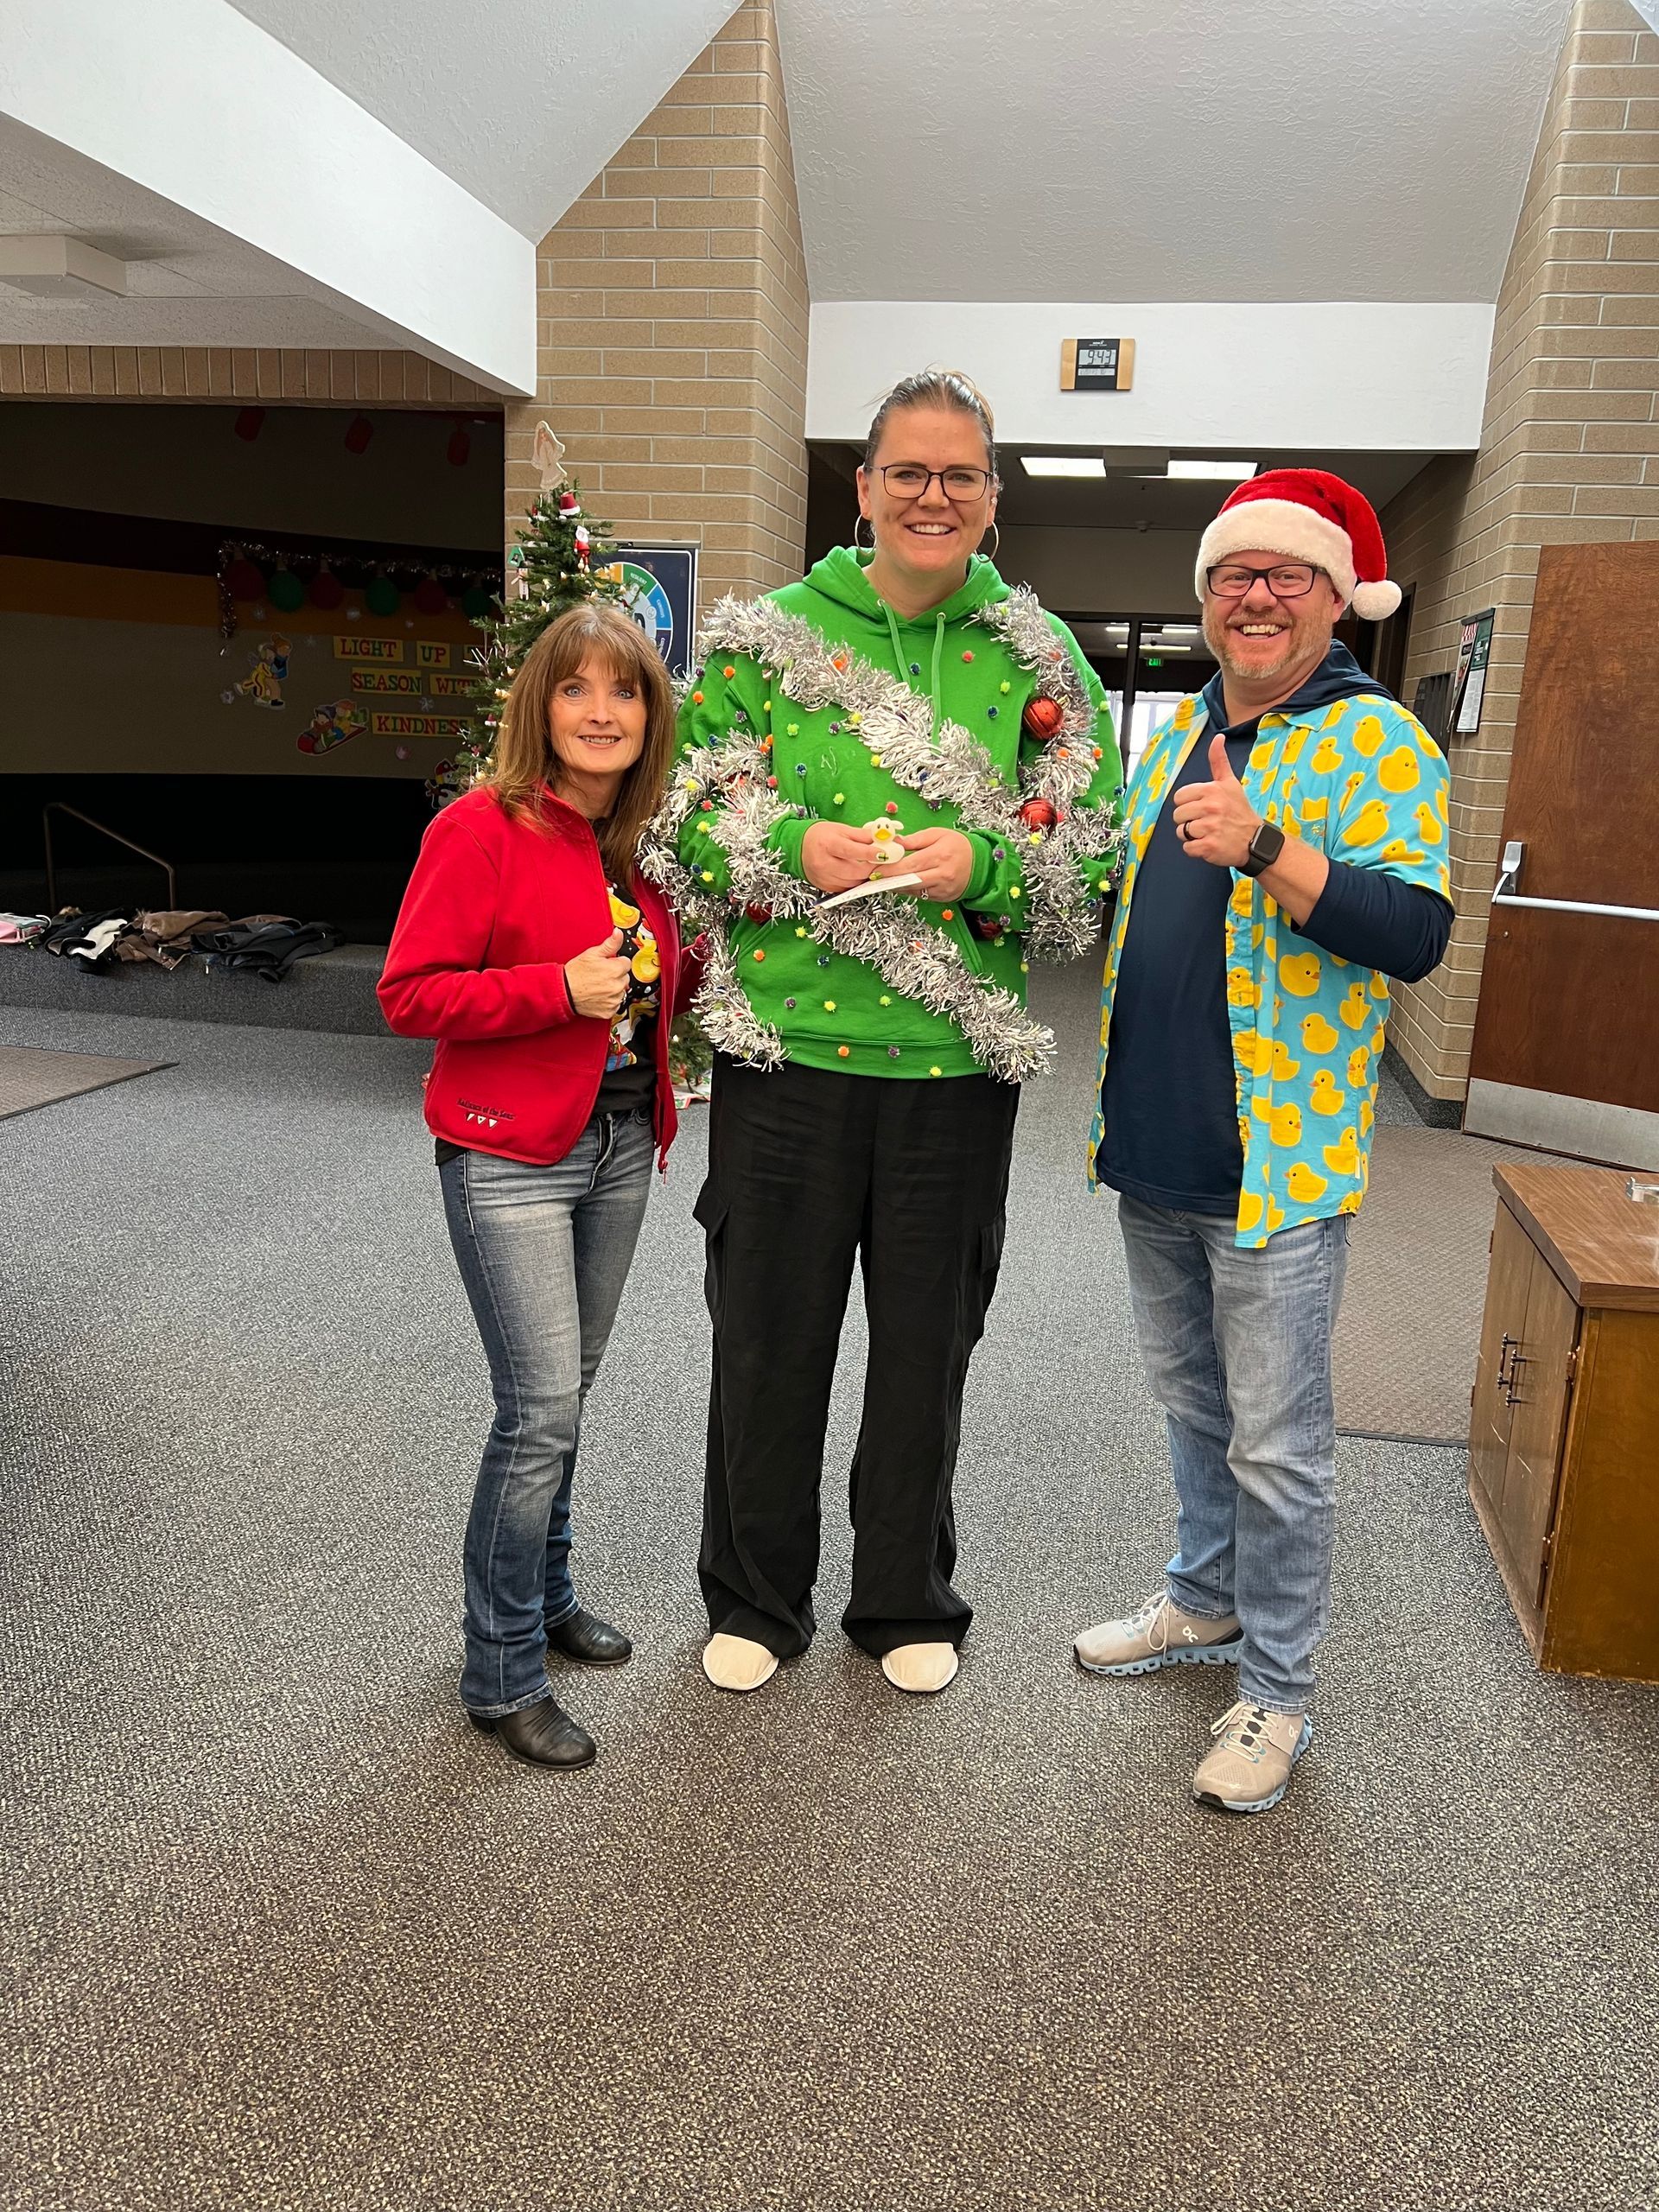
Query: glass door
(1148, 664)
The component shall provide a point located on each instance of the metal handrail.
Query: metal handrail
(1510, 873)
(61, 806)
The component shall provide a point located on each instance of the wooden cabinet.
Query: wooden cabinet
(1564, 1423)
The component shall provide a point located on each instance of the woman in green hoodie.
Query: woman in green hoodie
(903, 727)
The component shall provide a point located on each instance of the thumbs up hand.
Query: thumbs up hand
(1215, 822)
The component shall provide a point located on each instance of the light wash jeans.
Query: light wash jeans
(1237, 1351)
(545, 1253)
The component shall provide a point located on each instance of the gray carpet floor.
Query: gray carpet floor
(285, 1934)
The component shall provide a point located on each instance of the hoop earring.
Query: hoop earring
(996, 541)
(857, 541)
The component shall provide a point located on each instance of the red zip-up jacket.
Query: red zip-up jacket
(494, 909)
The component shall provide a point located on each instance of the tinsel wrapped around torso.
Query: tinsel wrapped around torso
(817, 703)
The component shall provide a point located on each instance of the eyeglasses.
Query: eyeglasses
(1295, 580)
(908, 480)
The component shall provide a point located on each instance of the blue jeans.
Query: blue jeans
(1236, 1346)
(544, 1253)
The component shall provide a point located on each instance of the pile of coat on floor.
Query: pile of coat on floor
(264, 945)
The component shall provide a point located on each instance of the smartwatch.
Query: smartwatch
(1264, 849)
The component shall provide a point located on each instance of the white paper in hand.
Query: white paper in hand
(909, 881)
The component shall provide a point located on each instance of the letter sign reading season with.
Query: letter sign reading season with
(412, 682)
(1096, 363)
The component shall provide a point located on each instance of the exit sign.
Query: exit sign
(1096, 363)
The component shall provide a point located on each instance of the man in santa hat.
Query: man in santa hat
(1286, 844)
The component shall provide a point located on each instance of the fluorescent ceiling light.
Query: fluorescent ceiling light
(1227, 471)
(1062, 464)
(1180, 629)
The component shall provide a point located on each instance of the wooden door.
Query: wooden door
(1540, 1370)
(1566, 1049)
(1508, 1281)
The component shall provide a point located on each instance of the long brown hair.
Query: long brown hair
(526, 762)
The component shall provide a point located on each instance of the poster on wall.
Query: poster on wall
(659, 590)
(1474, 651)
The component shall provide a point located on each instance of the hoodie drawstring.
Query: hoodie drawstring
(902, 665)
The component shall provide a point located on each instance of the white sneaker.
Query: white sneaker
(1158, 1635)
(921, 1668)
(1249, 1768)
(737, 1663)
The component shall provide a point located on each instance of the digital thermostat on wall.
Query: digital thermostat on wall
(1096, 363)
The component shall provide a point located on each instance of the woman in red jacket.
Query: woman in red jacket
(549, 972)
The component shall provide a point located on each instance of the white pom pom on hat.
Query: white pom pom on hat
(1307, 514)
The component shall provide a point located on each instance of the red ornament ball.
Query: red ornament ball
(1037, 813)
(761, 914)
(243, 581)
(430, 596)
(1043, 717)
(326, 590)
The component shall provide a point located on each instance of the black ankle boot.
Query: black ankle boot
(541, 1734)
(583, 1635)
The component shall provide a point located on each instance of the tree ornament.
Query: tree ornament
(326, 590)
(1044, 717)
(547, 457)
(243, 579)
(430, 596)
(382, 597)
(286, 591)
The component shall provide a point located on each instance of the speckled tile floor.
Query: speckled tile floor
(286, 1934)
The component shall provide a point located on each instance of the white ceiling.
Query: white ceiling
(1163, 150)
(521, 104)
(189, 284)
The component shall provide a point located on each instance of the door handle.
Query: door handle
(1505, 894)
(1509, 1345)
(1517, 1361)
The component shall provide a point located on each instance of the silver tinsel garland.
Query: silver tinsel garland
(1062, 915)
(730, 784)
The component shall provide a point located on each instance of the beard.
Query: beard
(1304, 636)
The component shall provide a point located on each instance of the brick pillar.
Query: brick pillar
(671, 338)
(1569, 454)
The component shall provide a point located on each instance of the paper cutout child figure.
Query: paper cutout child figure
(263, 681)
(332, 725)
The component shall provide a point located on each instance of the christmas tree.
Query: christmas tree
(556, 562)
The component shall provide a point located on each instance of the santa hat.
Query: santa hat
(1306, 515)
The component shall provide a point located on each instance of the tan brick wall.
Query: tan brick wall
(1569, 454)
(672, 327)
(288, 376)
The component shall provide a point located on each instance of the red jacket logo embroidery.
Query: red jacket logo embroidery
(484, 1117)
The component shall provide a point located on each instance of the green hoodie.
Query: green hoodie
(840, 991)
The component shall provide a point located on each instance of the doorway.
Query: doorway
(1148, 664)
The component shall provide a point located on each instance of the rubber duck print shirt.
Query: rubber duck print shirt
(1361, 781)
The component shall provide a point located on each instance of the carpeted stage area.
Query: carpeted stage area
(288, 1937)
